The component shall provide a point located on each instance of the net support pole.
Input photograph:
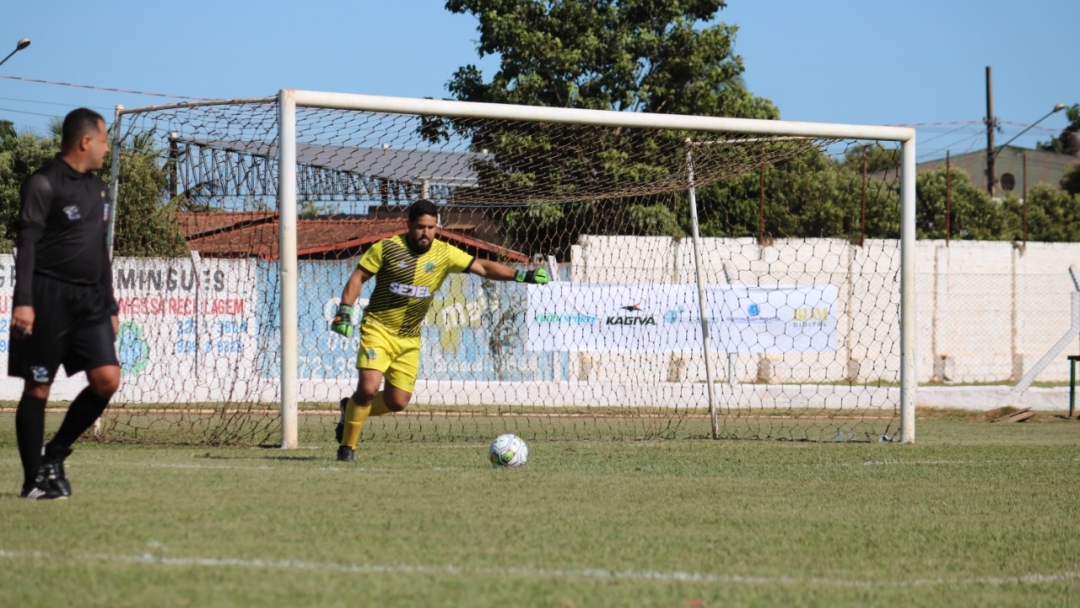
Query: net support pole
(288, 267)
(908, 378)
(114, 179)
(702, 304)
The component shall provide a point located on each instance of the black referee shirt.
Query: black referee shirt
(62, 231)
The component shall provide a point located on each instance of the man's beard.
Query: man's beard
(414, 244)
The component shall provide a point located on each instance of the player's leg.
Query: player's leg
(377, 351)
(91, 350)
(36, 358)
(400, 377)
(30, 434)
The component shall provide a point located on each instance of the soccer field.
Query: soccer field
(974, 514)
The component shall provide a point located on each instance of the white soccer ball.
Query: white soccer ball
(508, 451)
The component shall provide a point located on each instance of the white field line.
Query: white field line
(963, 462)
(151, 559)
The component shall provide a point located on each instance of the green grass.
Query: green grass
(973, 514)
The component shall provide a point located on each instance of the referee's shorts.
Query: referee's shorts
(72, 327)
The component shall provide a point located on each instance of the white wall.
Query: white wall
(986, 311)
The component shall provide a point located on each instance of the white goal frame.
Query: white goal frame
(290, 99)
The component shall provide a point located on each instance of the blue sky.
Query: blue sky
(916, 62)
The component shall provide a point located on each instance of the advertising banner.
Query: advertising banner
(666, 318)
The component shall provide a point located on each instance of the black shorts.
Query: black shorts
(72, 326)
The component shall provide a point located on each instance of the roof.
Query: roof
(408, 166)
(256, 234)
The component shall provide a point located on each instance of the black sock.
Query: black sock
(81, 415)
(30, 433)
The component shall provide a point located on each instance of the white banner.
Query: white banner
(665, 318)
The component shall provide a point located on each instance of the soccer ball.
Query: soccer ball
(508, 451)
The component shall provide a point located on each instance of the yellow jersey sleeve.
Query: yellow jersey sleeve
(457, 260)
(372, 259)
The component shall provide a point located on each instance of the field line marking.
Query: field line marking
(594, 573)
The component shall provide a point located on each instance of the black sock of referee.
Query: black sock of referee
(81, 415)
(30, 432)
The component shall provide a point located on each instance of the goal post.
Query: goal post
(290, 99)
(712, 277)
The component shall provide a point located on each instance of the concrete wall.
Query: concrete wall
(986, 311)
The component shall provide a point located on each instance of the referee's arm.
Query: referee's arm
(37, 197)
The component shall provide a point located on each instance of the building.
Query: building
(1043, 167)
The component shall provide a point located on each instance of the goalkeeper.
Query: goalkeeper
(408, 271)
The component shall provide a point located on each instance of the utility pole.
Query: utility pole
(990, 124)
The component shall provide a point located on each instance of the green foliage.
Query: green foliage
(652, 220)
(635, 55)
(1070, 182)
(878, 158)
(1053, 215)
(631, 55)
(807, 196)
(974, 215)
(144, 227)
(1060, 143)
(20, 156)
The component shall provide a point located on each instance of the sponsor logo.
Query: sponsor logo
(403, 264)
(371, 354)
(753, 310)
(575, 319)
(628, 319)
(631, 320)
(72, 212)
(133, 349)
(681, 315)
(811, 317)
(40, 374)
(410, 291)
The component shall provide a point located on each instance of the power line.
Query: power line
(99, 88)
(26, 112)
(51, 103)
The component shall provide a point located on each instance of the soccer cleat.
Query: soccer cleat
(346, 454)
(53, 468)
(41, 489)
(339, 430)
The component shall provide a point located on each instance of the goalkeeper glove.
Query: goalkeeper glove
(539, 276)
(342, 323)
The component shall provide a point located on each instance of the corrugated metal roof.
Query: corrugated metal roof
(409, 166)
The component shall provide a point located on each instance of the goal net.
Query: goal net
(711, 277)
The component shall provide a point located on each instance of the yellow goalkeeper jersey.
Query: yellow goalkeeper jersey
(406, 282)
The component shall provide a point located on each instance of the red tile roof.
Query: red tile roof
(255, 234)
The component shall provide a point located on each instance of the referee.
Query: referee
(64, 308)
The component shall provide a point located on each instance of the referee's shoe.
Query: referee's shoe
(41, 489)
(53, 468)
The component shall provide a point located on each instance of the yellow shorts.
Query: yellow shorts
(398, 358)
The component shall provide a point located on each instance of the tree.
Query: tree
(1061, 143)
(973, 214)
(20, 156)
(1053, 215)
(1070, 182)
(144, 226)
(624, 55)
